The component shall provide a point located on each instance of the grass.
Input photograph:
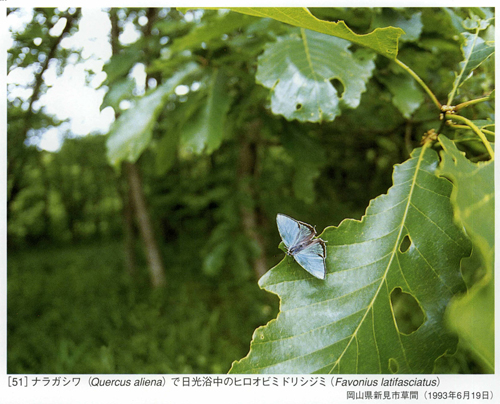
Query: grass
(76, 310)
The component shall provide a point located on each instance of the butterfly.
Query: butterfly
(298, 237)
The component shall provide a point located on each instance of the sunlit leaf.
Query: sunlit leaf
(132, 131)
(345, 324)
(118, 91)
(206, 130)
(473, 197)
(120, 64)
(299, 69)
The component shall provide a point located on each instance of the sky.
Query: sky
(69, 97)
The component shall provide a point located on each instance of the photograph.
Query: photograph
(298, 196)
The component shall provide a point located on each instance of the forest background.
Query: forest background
(142, 250)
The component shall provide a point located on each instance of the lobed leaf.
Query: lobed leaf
(473, 197)
(346, 323)
(298, 70)
(381, 40)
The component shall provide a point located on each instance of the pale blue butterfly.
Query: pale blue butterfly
(298, 237)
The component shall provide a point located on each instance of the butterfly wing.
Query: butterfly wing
(292, 231)
(312, 258)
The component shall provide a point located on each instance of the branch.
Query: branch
(476, 130)
(420, 81)
(471, 102)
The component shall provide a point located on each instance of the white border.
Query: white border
(86, 394)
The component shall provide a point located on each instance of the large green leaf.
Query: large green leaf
(131, 133)
(346, 323)
(206, 130)
(299, 68)
(381, 40)
(473, 197)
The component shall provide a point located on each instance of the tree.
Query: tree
(409, 244)
(135, 200)
(23, 55)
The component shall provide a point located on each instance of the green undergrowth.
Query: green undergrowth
(76, 310)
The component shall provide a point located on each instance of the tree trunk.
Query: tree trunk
(145, 226)
(128, 225)
(247, 173)
(135, 202)
(125, 190)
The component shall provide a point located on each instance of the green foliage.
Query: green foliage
(119, 66)
(133, 130)
(206, 130)
(312, 158)
(474, 197)
(406, 96)
(23, 53)
(354, 329)
(79, 312)
(67, 197)
(213, 29)
(166, 152)
(119, 91)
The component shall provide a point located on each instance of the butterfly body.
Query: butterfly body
(301, 244)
